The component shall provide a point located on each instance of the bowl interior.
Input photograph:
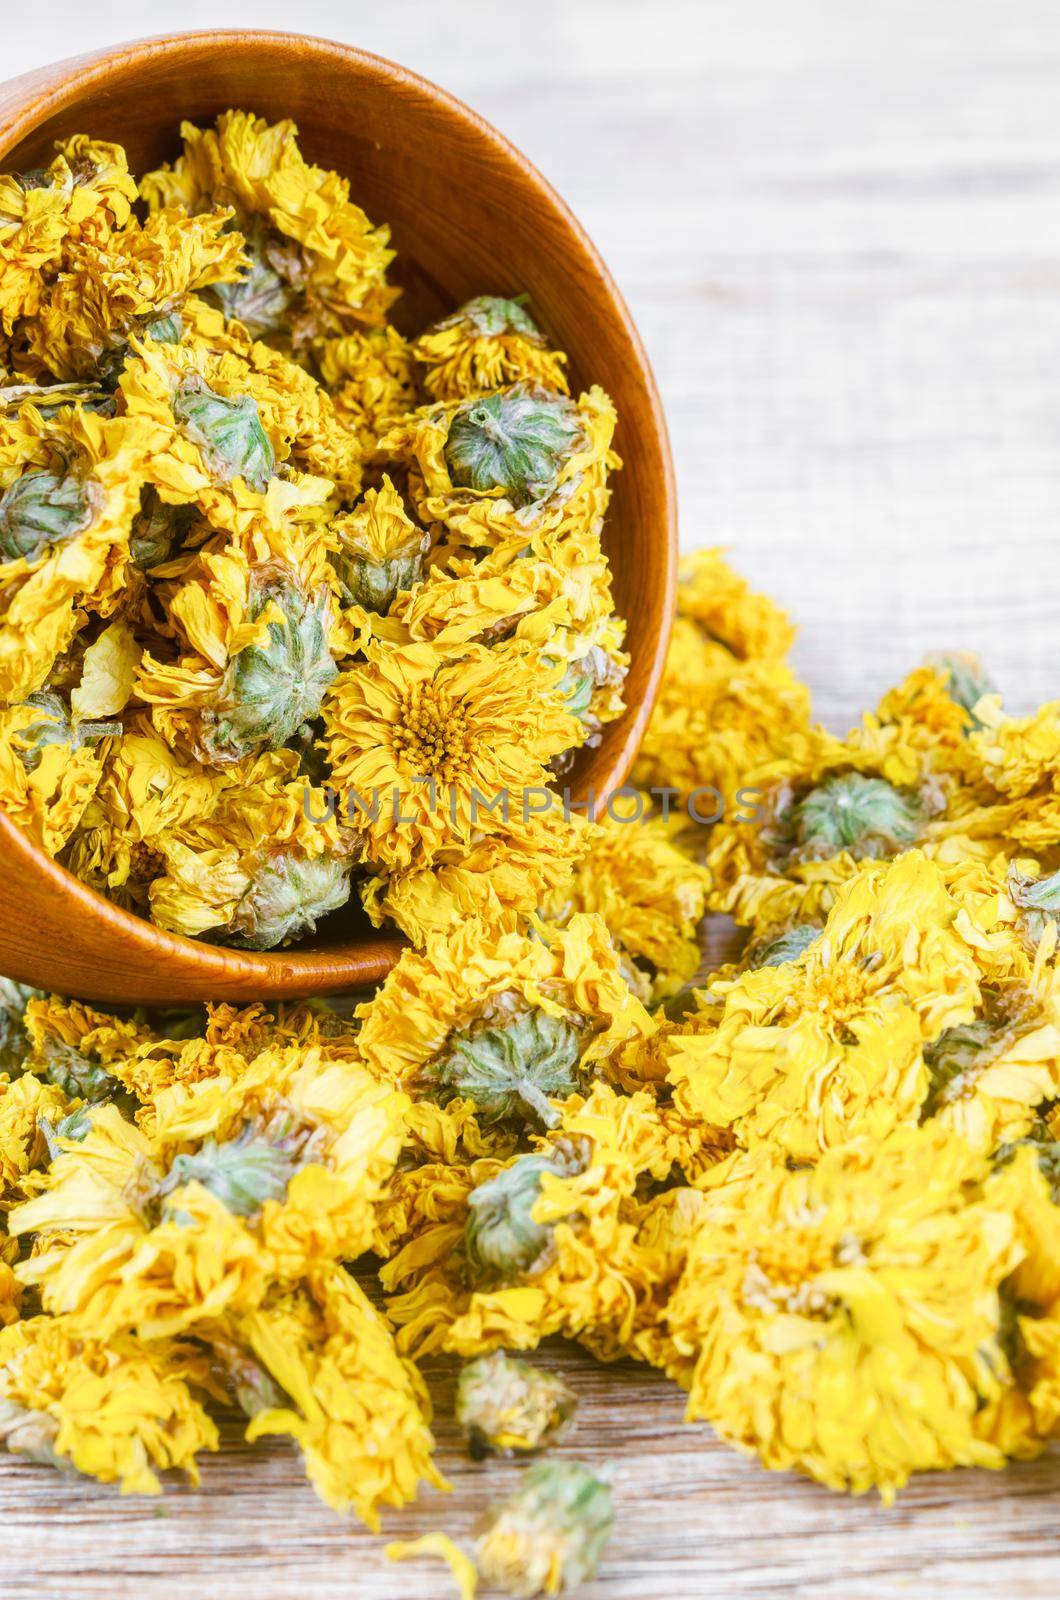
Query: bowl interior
(468, 215)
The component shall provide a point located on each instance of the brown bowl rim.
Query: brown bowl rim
(220, 972)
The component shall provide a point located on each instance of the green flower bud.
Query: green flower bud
(1038, 899)
(78, 1077)
(967, 682)
(507, 1407)
(868, 817)
(550, 1534)
(510, 1068)
(41, 509)
(260, 298)
(491, 316)
(288, 897)
(787, 946)
(168, 328)
(515, 440)
(501, 1239)
(273, 687)
(228, 432)
(242, 1172)
(375, 583)
(159, 530)
(56, 725)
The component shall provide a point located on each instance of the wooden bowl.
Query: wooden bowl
(469, 215)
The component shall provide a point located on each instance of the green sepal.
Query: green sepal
(272, 688)
(511, 1068)
(287, 899)
(515, 440)
(158, 530)
(866, 817)
(501, 1239)
(41, 509)
(491, 316)
(228, 432)
(242, 1173)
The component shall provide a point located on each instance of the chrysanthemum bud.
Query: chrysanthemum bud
(41, 509)
(1038, 899)
(787, 946)
(967, 682)
(511, 1067)
(381, 550)
(276, 685)
(260, 298)
(242, 1172)
(158, 530)
(287, 898)
(507, 1407)
(550, 1535)
(515, 440)
(55, 724)
(868, 817)
(501, 1238)
(228, 432)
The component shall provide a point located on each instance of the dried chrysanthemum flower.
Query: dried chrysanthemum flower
(485, 344)
(506, 1021)
(262, 663)
(120, 1411)
(379, 550)
(544, 1242)
(133, 282)
(829, 1045)
(508, 465)
(867, 817)
(1038, 899)
(817, 1300)
(507, 1407)
(550, 1535)
(318, 242)
(84, 194)
(317, 1363)
(514, 441)
(988, 1077)
(369, 376)
(238, 1183)
(433, 749)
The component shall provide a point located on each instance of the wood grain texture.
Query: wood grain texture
(838, 229)
(468, 214)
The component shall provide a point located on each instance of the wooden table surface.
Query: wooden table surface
(838, 226)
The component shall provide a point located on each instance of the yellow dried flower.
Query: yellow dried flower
(321, 1368)
(313, 238)
(549, 1536)
(120, 1412)
(488, 343)
(811, 1052)
(424, 744)
(817, 1301)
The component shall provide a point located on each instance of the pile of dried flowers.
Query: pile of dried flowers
(286, 599)
(819, 1187)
